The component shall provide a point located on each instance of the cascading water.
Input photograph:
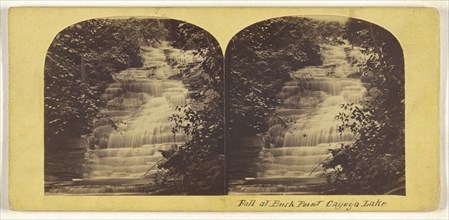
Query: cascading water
(140, 101)
(305, 143)
(313, 98)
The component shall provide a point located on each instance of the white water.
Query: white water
(311, 101)
(142, 99)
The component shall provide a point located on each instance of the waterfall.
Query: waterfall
(140, 101)
(311, 101)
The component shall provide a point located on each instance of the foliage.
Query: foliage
(197, 166)
(79, 64)
(375, 162)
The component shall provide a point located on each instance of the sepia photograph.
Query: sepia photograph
(134, 106)
(315, 107)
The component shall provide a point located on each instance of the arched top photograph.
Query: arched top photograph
(320, 101)
(125, 107)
